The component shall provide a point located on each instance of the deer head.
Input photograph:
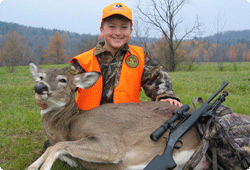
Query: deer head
(56, 87)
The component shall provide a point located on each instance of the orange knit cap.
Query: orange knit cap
(117, 8)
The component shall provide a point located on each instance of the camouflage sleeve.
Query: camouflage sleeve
(75, 64)
(74, 68)
(156, 82)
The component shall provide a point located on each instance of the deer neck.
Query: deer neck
(56, 122)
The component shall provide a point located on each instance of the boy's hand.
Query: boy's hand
(40, 103)
(172, 101)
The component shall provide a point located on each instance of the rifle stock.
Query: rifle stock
(162, 162)
(166, 161)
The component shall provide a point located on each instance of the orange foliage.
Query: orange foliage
(194, 54)
(55, 53)
(248, 56)
(204, 51)
(241, 51)
(232, 53)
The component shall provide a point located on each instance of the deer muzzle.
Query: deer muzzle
(40, 88)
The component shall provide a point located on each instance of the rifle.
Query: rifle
(166, 161)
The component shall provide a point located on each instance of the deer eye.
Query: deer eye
(62, 81)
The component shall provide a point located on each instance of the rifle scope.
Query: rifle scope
(163, 128)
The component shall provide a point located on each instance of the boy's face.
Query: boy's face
(116, 32)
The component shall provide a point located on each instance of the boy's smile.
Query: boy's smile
(116, 33)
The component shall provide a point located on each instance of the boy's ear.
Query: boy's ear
(131, 32)
(101, 31)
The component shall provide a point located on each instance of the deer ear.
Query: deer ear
(86, 80)
(36, 72)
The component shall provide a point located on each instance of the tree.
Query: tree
(91, 44)
(38, 54)
(194, 55)
(248, 56)
(15, 51)
(84, 45)
(241, 52)
(206, 56)
(160, 52)
(220, 53)
(142, 34)
(55, 53)
(162, 15)
(1, 59)
(212, 51)
(232, 53)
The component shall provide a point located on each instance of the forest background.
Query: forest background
(20, 44)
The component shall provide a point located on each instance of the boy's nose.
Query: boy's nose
(118, 31)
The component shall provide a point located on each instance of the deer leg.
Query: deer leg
(39, 161)
(87, 151)
(44, 157)
(54, 154)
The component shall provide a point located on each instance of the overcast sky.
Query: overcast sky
(84, 16)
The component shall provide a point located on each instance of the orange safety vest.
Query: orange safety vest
(129, 87)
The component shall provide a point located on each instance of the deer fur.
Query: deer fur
(108, 137)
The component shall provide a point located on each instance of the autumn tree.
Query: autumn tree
(206, 56)
(160, 52)
(1, 59)
(186, 45)
(212, 52)
(248, 56)
(241, 52)
(55, 53)
(203, 54)
(232, 52)
(15, 51)
(162, 15)
(84, 45)
(195, 54)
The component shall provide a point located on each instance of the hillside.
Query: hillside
(230, 38)
(39, 38)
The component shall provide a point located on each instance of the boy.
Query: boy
(124, 68)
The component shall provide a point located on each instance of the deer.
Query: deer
(108, 137)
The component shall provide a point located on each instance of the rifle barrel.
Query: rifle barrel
(217, 92)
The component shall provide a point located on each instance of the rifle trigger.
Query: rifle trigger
(178, 146)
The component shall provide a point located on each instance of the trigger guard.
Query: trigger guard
(177, 146)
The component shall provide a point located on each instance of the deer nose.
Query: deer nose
(40, 87)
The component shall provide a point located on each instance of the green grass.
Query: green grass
(206, 79)
(21, 131)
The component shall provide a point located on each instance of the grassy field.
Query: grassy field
(20, 122)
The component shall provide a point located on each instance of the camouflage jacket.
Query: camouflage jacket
(155, 80)
(225, 141)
